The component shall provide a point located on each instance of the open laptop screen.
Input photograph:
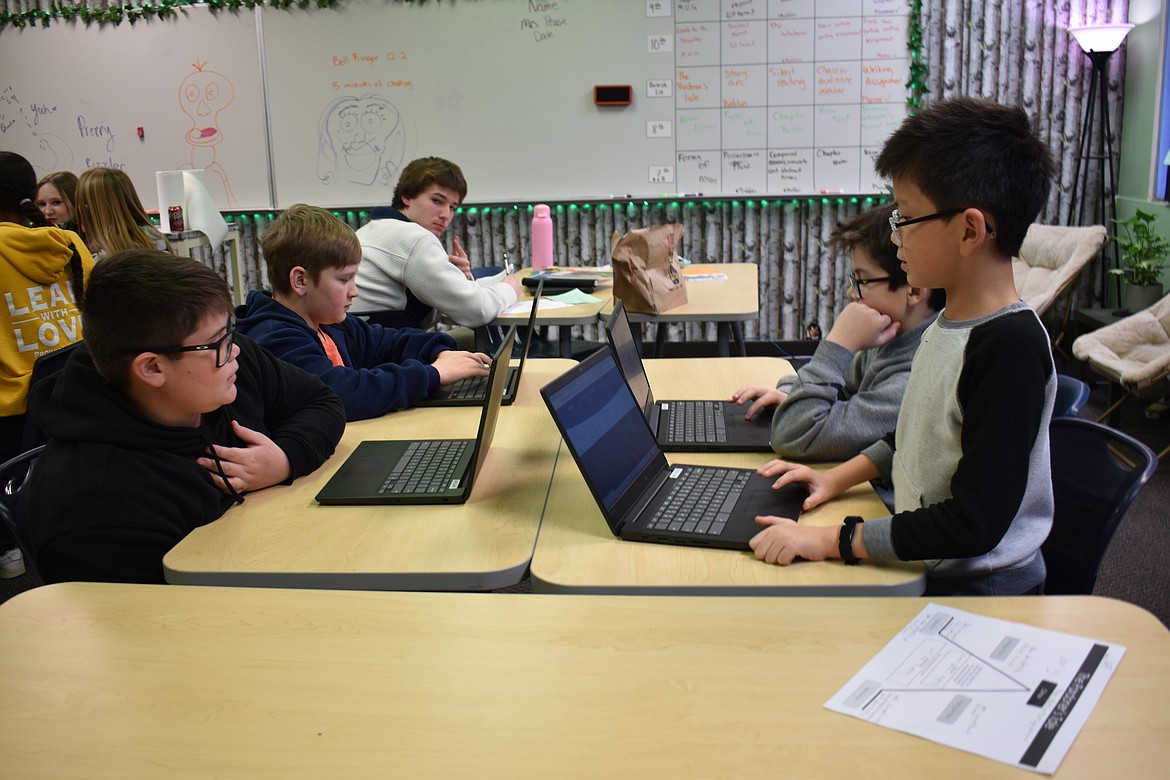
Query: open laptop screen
(625, 350)
(604, 428)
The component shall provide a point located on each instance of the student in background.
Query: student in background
(312, 259)
(969, 459)
(408, 278)
(111, 215)
(847, 396)
(161, 421)
(56, 196)
(42, 273)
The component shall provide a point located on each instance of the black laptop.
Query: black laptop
(695, 426)
(563, 281)
(427, 471)
(642, 497)
(470, 391)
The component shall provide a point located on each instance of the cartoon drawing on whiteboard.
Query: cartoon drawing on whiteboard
(361, 140)
(202, 96)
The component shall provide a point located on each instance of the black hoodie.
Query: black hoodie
(113, 491)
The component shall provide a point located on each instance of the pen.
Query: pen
(508, 269)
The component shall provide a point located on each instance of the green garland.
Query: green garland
(918, 70)
(163, 9)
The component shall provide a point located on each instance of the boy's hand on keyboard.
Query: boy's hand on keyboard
(821, 486)
(783, 540)
(763, 397)
(454, 365)
(258, 464)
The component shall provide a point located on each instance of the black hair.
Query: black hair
(974, 153)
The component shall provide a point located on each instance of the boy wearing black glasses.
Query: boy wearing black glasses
(160, 421)
(848, 395)
(969, 459)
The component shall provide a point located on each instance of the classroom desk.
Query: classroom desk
(727, 302)
(157, 681)
(281, 537)
(563, 317)
(576, 552)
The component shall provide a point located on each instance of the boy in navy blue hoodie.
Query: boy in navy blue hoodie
(312, 259)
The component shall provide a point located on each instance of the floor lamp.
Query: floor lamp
(1098, 42)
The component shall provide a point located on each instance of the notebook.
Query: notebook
(695, 426)
(428, 471)
(470, 391)
(642, 497)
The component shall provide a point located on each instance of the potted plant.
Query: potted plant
(1143, 256)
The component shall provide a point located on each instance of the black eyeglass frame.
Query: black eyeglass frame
(857, 284)
(222, 346)
(897, 223)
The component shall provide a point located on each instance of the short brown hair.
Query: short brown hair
(142, 298)
(424, 172)
(308, 236)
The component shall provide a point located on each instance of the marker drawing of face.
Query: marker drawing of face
(360, 140)
(202, 95)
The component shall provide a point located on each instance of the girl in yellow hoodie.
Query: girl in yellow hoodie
(42, 275)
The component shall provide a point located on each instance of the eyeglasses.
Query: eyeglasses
(222, 346)
(896, 222)
(857, 284)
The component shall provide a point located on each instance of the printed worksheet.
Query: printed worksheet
(1004, 690)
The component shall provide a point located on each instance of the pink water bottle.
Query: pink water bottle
(542, 238)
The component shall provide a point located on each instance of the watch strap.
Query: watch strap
(845, 540)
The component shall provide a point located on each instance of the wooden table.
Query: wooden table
(564, 317)
(282, 537)
(727, 302)
(129, 681)
(576, 552)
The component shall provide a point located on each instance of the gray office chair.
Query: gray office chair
(13, 474)
(1097, 472)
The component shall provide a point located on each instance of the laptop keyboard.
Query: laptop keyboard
(701, 501)
(469, 387)
(427, 467)
(697, 422)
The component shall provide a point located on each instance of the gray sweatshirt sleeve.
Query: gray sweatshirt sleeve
(840, 403)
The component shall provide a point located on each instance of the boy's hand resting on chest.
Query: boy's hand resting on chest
(258, 464)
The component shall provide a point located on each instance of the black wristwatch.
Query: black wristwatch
(845, 540)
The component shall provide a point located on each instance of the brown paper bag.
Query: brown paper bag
(646, 272)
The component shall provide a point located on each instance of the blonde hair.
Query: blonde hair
(110, 214)
(310, 237)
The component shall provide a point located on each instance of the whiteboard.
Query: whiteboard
(729, 97)
(502, 87)
(73, 97)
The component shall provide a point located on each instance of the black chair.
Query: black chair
(46, 365)
(13, 474)
(1097, 472)
(1071, 396)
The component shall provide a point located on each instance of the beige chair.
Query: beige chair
(1051, 261)
(1133, 353)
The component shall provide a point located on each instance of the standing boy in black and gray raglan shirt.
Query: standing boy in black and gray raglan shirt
(970, 458)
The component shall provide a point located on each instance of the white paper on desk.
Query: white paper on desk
(1003, 690)
(487, 281)
(524, 306)
(189, 190)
